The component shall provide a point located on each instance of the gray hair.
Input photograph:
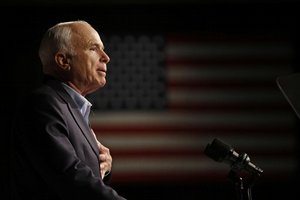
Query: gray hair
(57, 38)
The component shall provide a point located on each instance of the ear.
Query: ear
(62, 61)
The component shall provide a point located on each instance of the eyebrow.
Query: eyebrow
(98, 45)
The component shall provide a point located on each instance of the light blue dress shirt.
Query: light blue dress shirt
(83, 104)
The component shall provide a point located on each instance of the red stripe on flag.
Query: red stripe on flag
(145, 129)
(225, 107)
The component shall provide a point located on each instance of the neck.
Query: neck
(72, 85)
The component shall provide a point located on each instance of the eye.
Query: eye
(93, 48)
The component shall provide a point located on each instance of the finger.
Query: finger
(103, 166)
(102, 174)
(103, 157)
(104, 149)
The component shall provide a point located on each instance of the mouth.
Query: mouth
(101, 71)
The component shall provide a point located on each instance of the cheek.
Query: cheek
(88, 70)
(80, 67)
(93, 74)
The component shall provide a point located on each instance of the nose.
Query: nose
(104, 57)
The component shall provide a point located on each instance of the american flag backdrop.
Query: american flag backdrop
(169, 95)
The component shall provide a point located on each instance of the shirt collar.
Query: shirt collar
(80, 100)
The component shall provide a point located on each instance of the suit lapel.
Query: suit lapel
(78, 118)
(85, 129)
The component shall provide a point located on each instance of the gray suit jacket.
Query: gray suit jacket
(54, 154)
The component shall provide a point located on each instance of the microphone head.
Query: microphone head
(218, 150)
(221, 152)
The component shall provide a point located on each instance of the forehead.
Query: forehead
(84, 34)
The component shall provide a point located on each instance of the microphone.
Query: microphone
(221, 152)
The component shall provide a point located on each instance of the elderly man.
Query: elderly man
(55, 154)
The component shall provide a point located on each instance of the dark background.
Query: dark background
(23, 23)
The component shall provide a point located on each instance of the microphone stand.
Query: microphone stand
(243, 189)
(220, 151)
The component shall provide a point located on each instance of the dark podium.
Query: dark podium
(221, 152)
(289, 86)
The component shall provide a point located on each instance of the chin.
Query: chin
(101, 84)
(96, 85)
